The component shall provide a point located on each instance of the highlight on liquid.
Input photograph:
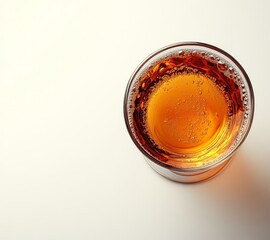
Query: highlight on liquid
(189, 109)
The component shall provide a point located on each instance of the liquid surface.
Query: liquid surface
(186, 113)
(188, 110)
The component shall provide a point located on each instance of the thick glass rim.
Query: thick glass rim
(208, 47)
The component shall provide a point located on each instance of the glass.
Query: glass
(188, 107)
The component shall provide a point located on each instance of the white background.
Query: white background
(68, 169)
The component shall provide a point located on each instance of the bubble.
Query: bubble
(143, 85)
(231, 70)
(222, 66)
(203, 54)
(181, 53)
(212, 57)
(188, 52)
(166, 120)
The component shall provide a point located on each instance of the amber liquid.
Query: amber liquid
(188, 110)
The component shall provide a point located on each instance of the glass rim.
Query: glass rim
(190, 44)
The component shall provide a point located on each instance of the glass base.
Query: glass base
(188, 177)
